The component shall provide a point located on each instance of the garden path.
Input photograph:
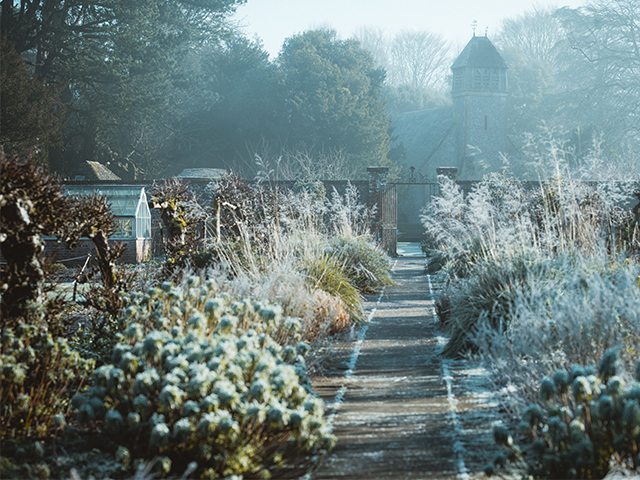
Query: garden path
(399, 410)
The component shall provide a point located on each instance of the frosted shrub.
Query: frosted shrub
(500, 219)
(269, 257)
(588, 421)
(220, 383)
(367, 264)
(38, 376)
(569, 310)
(502, 240)
(329, 274)
(346, 215)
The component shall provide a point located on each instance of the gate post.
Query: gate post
(383, 222)
(377, 183)
(450, 172)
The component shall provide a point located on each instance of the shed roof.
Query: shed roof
(90, 170)
(479, 52)
(202, 173)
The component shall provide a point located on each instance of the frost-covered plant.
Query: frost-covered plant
(570, 310)
(501, 238)
(237, 204)
(329, 274)
(201, 303)
(212, 386)
(38, 376)
(487, 299)
(346, 215)
(365, 261)
(500, 218)
(181, 216)
(300, 241)
(321, 313)
(588, 420)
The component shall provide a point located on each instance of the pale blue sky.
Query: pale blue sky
(274, 20)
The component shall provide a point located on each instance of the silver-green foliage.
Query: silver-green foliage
(589, 420)
(209, 385)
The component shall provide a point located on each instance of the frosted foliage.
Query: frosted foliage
(277, 260)
(571, 310)
(539, 277)
(220, 391)
(499, 218)
(347, 215)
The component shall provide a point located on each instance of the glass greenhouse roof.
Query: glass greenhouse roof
(125, 200)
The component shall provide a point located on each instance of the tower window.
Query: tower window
(486, 122)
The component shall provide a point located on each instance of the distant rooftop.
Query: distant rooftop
(479, 52)
(202, 173)
(95, 171)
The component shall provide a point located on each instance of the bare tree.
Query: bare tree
(375, 40)
(536, 33)
(419, 59)
(604, 68)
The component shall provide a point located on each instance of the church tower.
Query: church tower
(479, 94)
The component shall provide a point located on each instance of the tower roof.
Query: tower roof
(479, 52)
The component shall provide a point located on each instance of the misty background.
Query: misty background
(149, 88)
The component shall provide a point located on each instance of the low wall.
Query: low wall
(137, 251)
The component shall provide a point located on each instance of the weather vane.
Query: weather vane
(474, 25)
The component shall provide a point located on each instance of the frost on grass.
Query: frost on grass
(541, 276)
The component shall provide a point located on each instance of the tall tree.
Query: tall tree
(536, 34)
(119, 58)
(32, 113)
(415, 58)
(375, 40)
(334, 98)
(603, 73)
(240, 105)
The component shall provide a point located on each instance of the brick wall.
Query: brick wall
(137, 251)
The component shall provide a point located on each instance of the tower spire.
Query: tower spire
(474, 25)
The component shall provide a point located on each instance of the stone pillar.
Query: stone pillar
(383, 198)
(377, 183)
(450, 172)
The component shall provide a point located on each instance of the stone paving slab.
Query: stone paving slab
(402, 411)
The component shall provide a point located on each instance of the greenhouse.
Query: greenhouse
(129, 204)
(132, 218)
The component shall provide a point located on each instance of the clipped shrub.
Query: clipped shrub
(219, 383)
(589, 422)
(38, 376)
(365, 262)
(329, 274)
